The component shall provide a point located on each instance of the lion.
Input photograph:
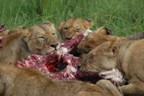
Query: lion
(72, 27)
(125, 55)
(101, 35)
(94, 39)
(21, 42)
(16, 81)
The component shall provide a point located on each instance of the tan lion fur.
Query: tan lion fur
(4, 33)
(97, 37)
(28, 82)
(73, 26)
(21, 42)
(101, 35)
(127, 56)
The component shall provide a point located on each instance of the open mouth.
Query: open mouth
(68, 38)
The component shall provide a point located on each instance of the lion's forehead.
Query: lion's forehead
(46, 35)
(74, 24)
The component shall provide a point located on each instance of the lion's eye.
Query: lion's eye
(90, 56)
(87, 46)
(65, 28)
(53, 33)
(42, 38)
(77, 30)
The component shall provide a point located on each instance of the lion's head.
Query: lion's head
(97, 37)
(21, 42)
(103, 57)
(41, 38)
(73, 26)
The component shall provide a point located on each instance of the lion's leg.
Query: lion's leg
(136, 88)
(107, 85)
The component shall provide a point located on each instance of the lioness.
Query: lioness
(27, 82)
(19, 43)
(101, 35)
(73, 26)
(127, 56)
(97, 37)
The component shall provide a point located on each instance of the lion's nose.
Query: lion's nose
(54, 45)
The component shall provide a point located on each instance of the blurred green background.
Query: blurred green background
(124, 17)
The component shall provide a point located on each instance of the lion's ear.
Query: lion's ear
(26, 32)
(88, 23)
(60, 26)
(108, 31)
(110, 51)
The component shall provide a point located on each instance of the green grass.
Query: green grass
(124, 17)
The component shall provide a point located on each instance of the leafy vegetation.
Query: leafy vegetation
(124, 17)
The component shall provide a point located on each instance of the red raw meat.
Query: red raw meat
(57, 64)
